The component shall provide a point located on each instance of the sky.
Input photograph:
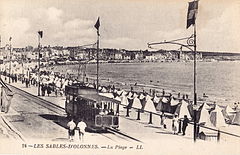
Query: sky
(125, 24)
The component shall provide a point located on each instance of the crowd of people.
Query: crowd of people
(55, 83)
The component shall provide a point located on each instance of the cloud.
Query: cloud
(15, 28)
(221, 33)
(124, 24)
(128, 43)
(54, 14)
(57, 29)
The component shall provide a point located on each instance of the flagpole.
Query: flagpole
(39, 45)
(97, 58)
(195, 80)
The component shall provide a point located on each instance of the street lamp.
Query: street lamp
(191, 42)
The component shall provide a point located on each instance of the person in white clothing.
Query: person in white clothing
(81, 127)
(71, 129)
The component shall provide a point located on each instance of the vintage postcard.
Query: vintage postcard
(113, 77)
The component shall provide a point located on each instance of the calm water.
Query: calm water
(219, 80)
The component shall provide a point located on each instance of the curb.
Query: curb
(12, 128)
(37, 96)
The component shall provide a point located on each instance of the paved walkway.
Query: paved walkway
(154, 137)
(139, 129)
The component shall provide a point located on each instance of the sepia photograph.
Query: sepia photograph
(113, 77)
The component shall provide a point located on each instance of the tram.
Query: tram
(97, 111)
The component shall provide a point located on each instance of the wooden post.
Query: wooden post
(138, 116)
(150, 118)
(197, 130)
(218, 135)
(127, 115)
(180, 126)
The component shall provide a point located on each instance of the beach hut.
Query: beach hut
(205, 116)
(165, 100)
(149, 106)
(230, 111)
(184, 110)
(164, 105)
(229, 114)
(142, 99)
(124, 100)
(217, 118)
(104, 89)
(109, 95)
(156, 99)
(118, 98)
(174, 102)
(137, 103)
(236, 119)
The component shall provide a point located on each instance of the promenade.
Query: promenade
(140, 129)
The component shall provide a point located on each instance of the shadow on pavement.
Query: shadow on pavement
(60, 120)
(60, 139)
(63, 121)
(166, 132)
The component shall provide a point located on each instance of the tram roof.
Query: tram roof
(98, 98)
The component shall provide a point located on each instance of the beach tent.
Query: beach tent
(135, 95)
(130, 95)
(174, 102)
(229, 114)
(217, 118)
(124, 100)
(137, 103)
(164, 105)
(165, 100)
(230, 111)
(130, 101)
(184, 110)
(236, 119)
(143, 101)
(141, 96)
(148, 97)
(104, 90)
(118, 98)
(205, 116)
(156, 99)
(149, 106)
(159, 106)
(119, 92)
(109, 95)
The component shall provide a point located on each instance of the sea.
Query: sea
(220, 81)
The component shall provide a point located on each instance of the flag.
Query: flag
(40, 33)
(192, 13)
(97, 25)
(10, 38)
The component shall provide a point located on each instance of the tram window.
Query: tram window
(70, 97)
(111, 112)
(98, 106)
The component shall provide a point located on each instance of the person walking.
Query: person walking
(71, 130)
(185, 124)
(174, 124)
(48, 89)
(162, 121)
(81, 128)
